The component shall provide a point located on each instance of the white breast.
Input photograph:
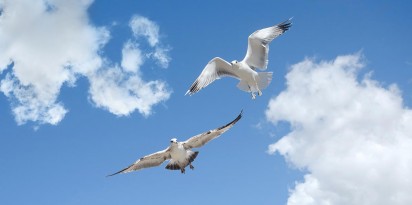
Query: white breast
(178, 152)
(246, 73)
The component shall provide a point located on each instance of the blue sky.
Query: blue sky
(87, 87)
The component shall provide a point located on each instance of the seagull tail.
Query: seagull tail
(264, 79)
(242, 85)
(172, 165)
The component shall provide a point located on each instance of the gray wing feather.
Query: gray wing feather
(215, 69)
(151, 160)
(258, 44)
(201, 139)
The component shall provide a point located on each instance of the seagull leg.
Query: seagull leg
(257, 87)
(182, 170)
(251, 92)
(191, 166)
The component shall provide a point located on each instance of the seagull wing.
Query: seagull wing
(151, 160)
(201, 139)
(215, 69)
(258, 44)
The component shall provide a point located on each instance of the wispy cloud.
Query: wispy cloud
(352, 136)
(54, 43)
(142, 27)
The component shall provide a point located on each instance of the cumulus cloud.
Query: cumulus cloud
(120, 93)
(121, 89)
(54, 43)
(44, 48)
(352, 135)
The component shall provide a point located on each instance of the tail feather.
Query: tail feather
(264, 79)
(173, 166)
(242, 85)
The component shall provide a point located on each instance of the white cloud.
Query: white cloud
(143, 27)
(162, 57)
(45, 46)
(132, 57)
(54, 43)
(354, 137)
(31, 107)
(121, 94)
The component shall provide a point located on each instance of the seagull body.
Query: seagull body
(180, 154)
(245, 70)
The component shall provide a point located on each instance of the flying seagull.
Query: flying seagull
(179, 153)
(245, 70)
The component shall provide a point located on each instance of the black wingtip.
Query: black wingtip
(119, 172)
(115, 173)
(234, 121)
(286, 24)
(239, 116)
(193, 88)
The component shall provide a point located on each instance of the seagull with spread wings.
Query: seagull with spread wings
(180, 154)
(245, 70)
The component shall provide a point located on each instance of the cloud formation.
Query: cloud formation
(351, 134)
(121, 89)
(54, 43)
(144, 28)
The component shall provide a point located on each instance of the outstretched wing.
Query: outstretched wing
(215, 69)
(258, 44)
(151, 160)
(201, 139)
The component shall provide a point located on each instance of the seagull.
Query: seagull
(179, 153)
(245, 70)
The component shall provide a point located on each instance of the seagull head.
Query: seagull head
(173, 140)
(234, 62)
